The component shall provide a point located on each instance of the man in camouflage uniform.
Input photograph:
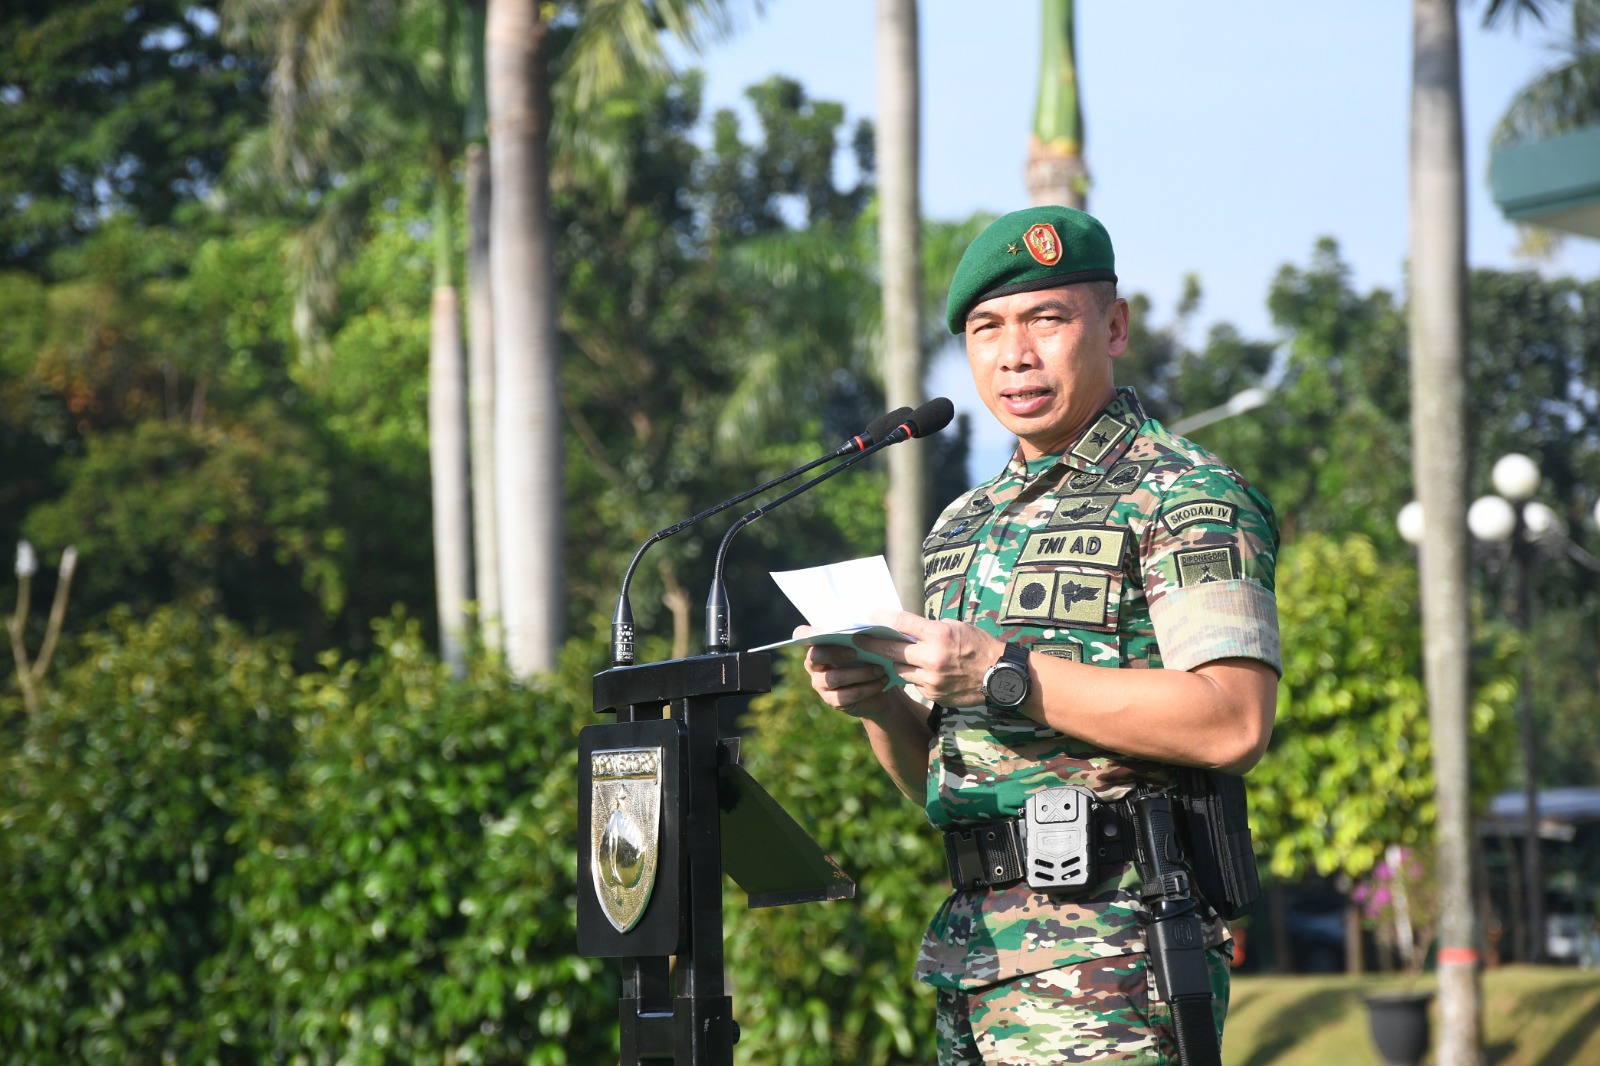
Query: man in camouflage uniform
(1107, 541)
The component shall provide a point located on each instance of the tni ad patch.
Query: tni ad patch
(1100, 546)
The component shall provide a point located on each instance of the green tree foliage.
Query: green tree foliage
(120, 809)
(112, 108)
(1348, 771)
(660, 319)
(1332, 450)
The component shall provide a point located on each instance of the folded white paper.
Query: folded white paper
(835, 598)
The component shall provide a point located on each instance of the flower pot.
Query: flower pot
(1399, 1025)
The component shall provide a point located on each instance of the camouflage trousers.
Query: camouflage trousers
(1097, 1011)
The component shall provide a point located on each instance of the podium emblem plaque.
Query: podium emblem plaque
(624, 831)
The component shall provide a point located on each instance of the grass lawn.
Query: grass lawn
(1533, 1016)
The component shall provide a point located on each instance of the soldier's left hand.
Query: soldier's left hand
(945, 660)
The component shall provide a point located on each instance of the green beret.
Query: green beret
(1036, 248)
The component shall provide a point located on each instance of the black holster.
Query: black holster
(1174, 936)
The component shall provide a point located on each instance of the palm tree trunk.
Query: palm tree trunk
(480, 389)
(528, 461)
(1438, 429)
(900, 259)
(480, 335)
(447, 444)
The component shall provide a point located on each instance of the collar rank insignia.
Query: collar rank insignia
(1043, 243)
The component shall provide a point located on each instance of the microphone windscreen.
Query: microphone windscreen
(931, 417)
(881, 426)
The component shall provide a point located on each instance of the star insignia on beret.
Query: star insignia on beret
(1012, 248)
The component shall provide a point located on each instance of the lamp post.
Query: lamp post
(1527, 527)
(1237, 404)
(1510, 518)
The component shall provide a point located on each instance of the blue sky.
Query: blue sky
(1222, 139)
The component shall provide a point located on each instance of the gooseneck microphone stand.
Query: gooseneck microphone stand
(925, 421)
(622, 650)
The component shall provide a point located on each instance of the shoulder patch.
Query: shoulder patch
(1197, 566)
(1200, 511)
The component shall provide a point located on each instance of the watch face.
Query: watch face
(1007, 686)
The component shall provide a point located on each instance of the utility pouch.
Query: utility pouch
(1215, 824)
(1056, 830)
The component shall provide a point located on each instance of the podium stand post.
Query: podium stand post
(656, 790)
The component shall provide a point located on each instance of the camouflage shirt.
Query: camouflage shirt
(1133, 549)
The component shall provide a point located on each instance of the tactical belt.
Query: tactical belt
(991, 854)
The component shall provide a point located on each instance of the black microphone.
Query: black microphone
(622, 620)
(925, 421)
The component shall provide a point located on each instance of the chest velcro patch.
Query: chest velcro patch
(1100, 546)
(941, 565)
(1078, 510)
(1069, 599)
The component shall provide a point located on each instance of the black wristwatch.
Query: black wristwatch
(1007, 685)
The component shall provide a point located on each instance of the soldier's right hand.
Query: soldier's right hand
(856, 688)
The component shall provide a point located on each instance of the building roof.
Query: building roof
(1561, 811)
(1552, 182)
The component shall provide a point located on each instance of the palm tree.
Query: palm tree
(480, 332)
(900, 264)
(527, 416)
(333, 60)
(1438, 320)
(1055, 171)
(1566, 96)
(616, 40)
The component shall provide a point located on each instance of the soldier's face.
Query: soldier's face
(1042, 361)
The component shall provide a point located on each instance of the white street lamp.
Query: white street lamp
(1409, 521)
(1492, 519)
(1513, 517)
(1516, 477)
(1237, 404)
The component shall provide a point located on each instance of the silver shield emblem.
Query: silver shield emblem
(624, 830)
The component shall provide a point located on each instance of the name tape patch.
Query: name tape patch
(941, 566)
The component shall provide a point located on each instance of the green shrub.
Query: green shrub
(416, 902)
(120, 811)
(827, 983)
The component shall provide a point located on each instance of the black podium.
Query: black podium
(667, 808)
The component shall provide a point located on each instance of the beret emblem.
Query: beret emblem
(1043, 243)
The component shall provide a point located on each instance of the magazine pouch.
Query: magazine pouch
(1215, 822)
